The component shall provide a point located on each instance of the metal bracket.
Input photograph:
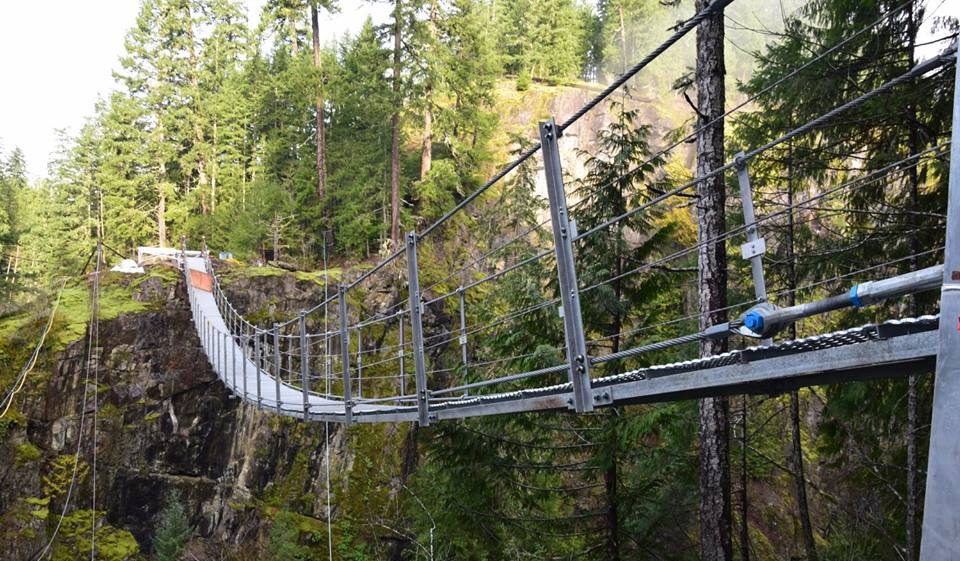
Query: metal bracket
(563, 229)
(754, 248)
(416, 322)
(603, 397)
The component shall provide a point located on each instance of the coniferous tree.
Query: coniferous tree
(715, 510)
(887, 128)
(173, 529)
(284, 539)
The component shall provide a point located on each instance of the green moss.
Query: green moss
(291, 490)
(61, 473)
(168, 275)
(26, 453)
(42, 506)
(113, 544)
(332, 274)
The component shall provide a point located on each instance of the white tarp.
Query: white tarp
(127, 266)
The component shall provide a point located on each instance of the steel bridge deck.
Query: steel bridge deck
(892, 348)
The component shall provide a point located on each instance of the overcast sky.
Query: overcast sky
(56, 59)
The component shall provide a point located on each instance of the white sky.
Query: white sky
(56, 59)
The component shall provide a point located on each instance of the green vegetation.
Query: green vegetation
(284, 540)
(74, 540)
(172, 530)
(27, 453)
(215, 131)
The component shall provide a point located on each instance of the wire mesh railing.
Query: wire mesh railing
(381, 352)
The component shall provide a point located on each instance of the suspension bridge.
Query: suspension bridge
(286, 369)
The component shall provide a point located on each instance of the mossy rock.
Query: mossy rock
(26, 453)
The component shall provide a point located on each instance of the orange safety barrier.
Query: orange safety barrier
(201, 280)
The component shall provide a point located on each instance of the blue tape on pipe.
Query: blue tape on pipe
(854, 297)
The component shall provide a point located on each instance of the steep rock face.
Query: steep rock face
(164, 422)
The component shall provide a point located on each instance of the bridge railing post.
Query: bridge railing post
(463, 332)
(258, 362)
(576, 345)
(359, 362)
(183, 253)
(304, 365)
(244, 342)
(345, 354)
(401, 353)
(233, 360)
(416, 313)
(277, 362)
(941, 519)
(756, 246)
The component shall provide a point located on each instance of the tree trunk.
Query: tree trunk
(610, 489)
(911, 428)
(16, 262)
(426, 149)
(610, 482)
(198, 135)
(623, 37)
(395, 132)
(161, 217)
(321, 134)
(796, 445)
(409, 460)
(214, 171)
(800, 480)
(276, 237)
(744, 477)
(715, 516)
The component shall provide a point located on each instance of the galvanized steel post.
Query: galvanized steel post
(463, 330)
(345, 354)
(566, 269)
(755, 247)
(359, 362)
(233, 361)
(258, 362)
(416, 312)
(276, 363)
(245, 341)
(304, 365)
(941, 515)
(401, 353)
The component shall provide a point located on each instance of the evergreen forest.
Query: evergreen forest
(301, 156)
